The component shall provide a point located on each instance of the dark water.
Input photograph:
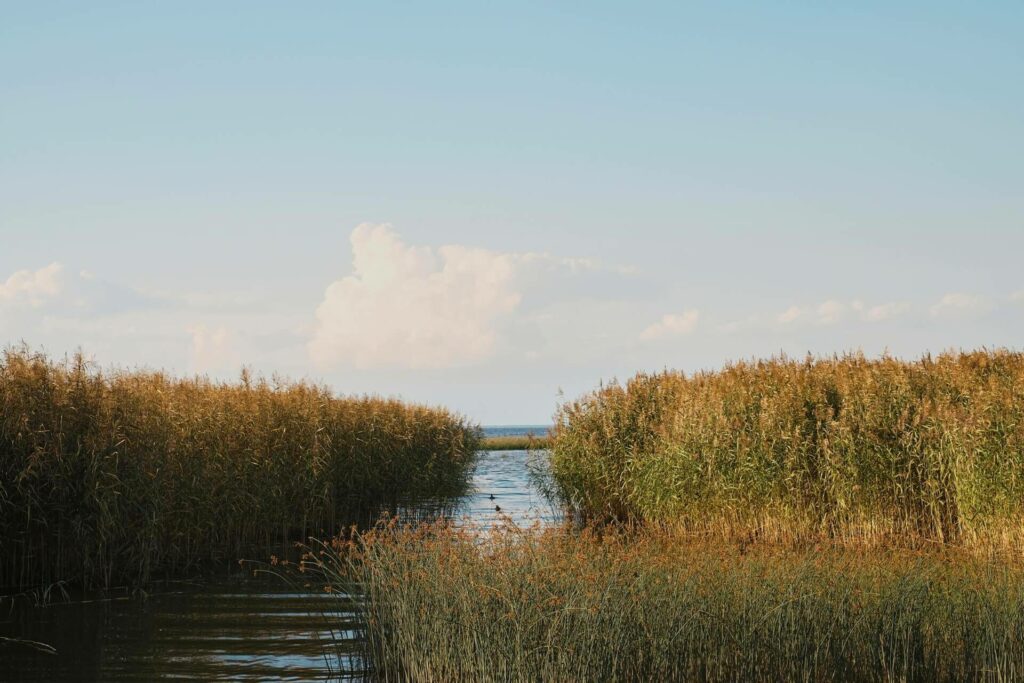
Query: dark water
(236, 628)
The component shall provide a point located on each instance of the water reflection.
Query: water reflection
(502, 481)
(242, 628)
(237, 628)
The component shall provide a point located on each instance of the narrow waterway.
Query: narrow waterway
(241, 627)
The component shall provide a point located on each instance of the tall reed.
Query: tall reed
(609, 606)
(120, 476)
(845, 447)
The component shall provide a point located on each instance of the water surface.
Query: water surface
(241, 627)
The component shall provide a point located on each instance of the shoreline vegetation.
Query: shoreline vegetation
(844, 448)
(831, 519)
(825, 519)
(527, 442)
(120, 477)
(617, 603)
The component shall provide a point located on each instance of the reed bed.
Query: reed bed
(444, 604)
(528, 442)
(866, 450)
(123, 476)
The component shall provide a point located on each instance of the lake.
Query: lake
(239, 627)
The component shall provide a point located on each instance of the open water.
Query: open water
(239, 627)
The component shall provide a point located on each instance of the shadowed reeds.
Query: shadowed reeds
(126, 475)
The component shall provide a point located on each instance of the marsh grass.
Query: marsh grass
(527, 442)
(836, 519)
(123, 476)
(615, 604)
(866, 450)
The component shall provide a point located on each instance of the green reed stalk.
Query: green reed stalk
(442, 605)
(842, 447)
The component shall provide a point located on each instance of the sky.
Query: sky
(498, 206)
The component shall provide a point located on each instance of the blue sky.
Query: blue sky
(574, 192)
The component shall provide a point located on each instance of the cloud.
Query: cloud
(789, 315)
(413, 306)
(880, 312)
(826, 313)
(830, 312)
(959, 303)
(212, 350)
(1017, 297)
(65, 293)
(750, 322)
(33, 288)
(400, 306)
(672, 325)
(833, 311)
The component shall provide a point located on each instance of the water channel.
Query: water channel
(239, 627)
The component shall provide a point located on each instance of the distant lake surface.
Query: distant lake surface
(516, 430)
(237, 627)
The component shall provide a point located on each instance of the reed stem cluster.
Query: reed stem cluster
(445, 604)
(929, 451)
(120, 476)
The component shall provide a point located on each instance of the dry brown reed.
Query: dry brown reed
(121, 476)
(866, 451)
(614, 604)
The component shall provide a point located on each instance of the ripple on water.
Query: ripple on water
(237, 629)
(502, 481)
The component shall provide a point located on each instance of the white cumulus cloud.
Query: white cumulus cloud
(672, 325)
(412, 306)
(32, 287)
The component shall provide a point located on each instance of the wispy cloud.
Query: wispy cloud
(212, 350)
(830, 312)
(833, 311)
(880, 312)
(750, 322)
(791, 314)
(826, 313)
(960, 303)
(61, 292)
(671, 325)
